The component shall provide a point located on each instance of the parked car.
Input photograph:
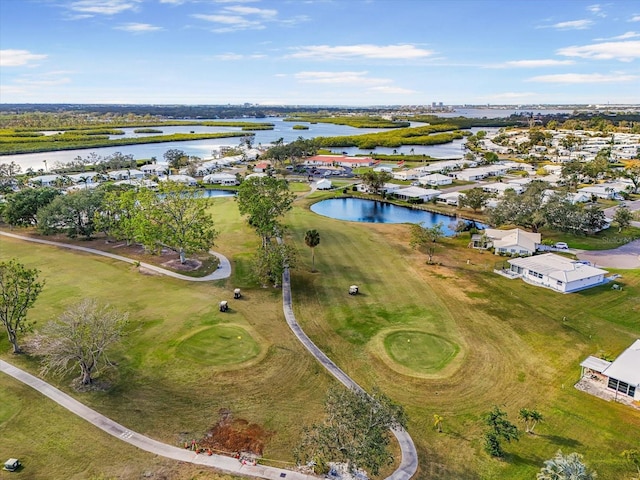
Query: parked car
(561, 245)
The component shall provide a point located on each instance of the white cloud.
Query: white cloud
(324, 52)
(355, 78)
(575, 78)
(623, 51)
(103, 7)
(635, 18)
(537, 63)
(138, 27)
(573, 25)
(18, 58)
(173, 2)
(624, 36)
(597, 10)
(261, 12)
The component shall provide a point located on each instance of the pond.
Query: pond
(210, 193)
(371, 211)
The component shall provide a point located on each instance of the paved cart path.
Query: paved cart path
(409, 462)
(223, 271)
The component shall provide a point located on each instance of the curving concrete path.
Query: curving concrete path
(408, 464)
(221, 462)
(625, 256)
(223, 271)
(409, 461)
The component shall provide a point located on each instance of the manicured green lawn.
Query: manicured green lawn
(518, 346)
(419, 351)
(218, 345)
(605, 240)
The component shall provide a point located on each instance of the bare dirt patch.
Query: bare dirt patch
(235, 435)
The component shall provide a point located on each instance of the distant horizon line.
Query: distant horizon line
(297, 105)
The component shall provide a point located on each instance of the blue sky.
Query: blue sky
(320, 52)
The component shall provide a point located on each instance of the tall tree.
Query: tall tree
(118, 216)
(19, 289)
(175, 158)
(632, 172)
(375, 180)
(270, 261)
(73, 213)
(530, 418)
(355, 431)
(175, 219)
(622, 217)
(566, 467)
(8, 173)
(500, 428)
(426, 238)
(22, 207)
(264, 200)
(312, 240)
(79, 339)
(474, 198)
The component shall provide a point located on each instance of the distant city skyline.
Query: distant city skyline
(320, 52)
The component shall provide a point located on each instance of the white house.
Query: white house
(556, 272)
(412, 174)
(84, 177)
(435, 179)
(324, 184)
(132, 173)
(220, 179)
(499, 188)
(45, 180)
(416, 193)
(185, 179)
(510, 242)
(604, 190)
(622, 375)
(451, 198)
(155, 169)
(261, 167)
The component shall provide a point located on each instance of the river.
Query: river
(204, 148)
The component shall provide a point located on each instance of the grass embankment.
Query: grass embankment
(181, 362)
(514, 348)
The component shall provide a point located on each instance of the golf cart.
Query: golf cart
(12, 465)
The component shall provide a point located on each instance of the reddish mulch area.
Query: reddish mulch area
(235, 435)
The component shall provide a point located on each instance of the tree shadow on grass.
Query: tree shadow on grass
(562, 441)
(516, 460)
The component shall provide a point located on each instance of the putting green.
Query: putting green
(418, 351)
(219, 345)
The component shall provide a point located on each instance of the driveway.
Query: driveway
(627, 256)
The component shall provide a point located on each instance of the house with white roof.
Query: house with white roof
(509, 242)
(45, 180)
(412, 174)
(155, 169)
(556, 272)
(324, 184)
(451, 198)
(220, 179)
(185, 179)
(131, 173)
(435, 179)
(84, 177)
(416, 193)
(622, 376)
(499, 188)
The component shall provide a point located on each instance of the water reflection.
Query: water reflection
(371, 211)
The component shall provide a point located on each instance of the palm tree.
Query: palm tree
(312, 240)
(566, 467)
(437, 422)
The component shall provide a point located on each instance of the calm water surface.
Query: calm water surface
(371, 211)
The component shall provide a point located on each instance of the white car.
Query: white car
(561, 245)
